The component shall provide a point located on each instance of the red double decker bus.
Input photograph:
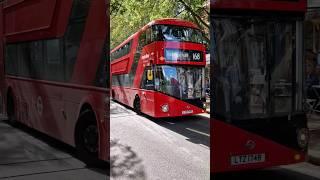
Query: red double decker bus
(159, 71)
(257, 112)
(53, 70)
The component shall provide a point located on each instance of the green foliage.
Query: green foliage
(128, 16)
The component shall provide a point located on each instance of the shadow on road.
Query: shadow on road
(124, 162)
(195, 128)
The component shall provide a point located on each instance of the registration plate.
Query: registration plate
(248, 159)
(187, 112)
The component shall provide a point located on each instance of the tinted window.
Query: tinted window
(102, 78)
(52, 59)
(74, 34)
(11, 60)
(36, 58)
(53, 51)
(80, 8)
(54, 62)
(122, 51)
(24, 59)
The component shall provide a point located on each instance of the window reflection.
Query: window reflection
(254, 69)
(180, 82)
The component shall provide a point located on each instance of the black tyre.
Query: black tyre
(87, 138)
(137, 105)
(11, 112)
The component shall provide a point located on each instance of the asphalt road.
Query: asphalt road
(29, 155)
(146, 148)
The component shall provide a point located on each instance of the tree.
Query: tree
(127, 16)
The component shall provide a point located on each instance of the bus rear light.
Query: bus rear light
(303, 137)
(165, 108)
(297, 157)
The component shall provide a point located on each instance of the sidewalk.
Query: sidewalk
(314, 144)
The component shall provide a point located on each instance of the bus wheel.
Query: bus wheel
(137, 105)
(11, 110)
(87, 138)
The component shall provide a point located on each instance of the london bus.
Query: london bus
(55, 78)
(257, 113)
(159, 70)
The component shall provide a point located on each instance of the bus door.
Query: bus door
(147, 94)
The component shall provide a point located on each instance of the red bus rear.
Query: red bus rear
(159, 70)
(257, 116)
(55, 70)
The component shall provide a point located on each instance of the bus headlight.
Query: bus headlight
(303, 137)
(165, 108)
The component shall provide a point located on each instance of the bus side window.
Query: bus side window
(142, 41)
(54, 61)
(148, 36)
(11, 61)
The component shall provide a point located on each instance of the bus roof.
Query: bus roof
(164, 21)
(173, 21)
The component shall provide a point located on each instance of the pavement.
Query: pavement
(314, 143)
(29, 155)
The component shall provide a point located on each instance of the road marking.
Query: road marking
(205, 134)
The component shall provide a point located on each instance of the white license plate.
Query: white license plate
(187, 112)
(248, 159)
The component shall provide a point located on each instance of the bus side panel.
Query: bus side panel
(92, 43)
(40, 106)
(34, 19)
(238, 142)
(120, 67)
(88, 60)
(24, 15)
(140, 68)
(148, 102)
(125, 95)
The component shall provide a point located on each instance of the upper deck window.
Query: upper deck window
(122, 51)
(177, 33)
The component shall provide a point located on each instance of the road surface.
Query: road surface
(146, 148)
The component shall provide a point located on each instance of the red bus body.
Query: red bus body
(152, 55)
(53, 74)
(250, 142)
